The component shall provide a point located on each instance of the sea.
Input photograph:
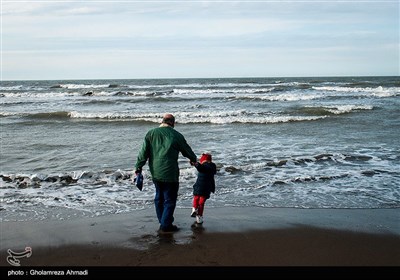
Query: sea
(68, 147)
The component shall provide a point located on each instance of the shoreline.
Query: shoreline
(230, 236)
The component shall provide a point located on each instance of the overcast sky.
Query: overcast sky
(48, 40)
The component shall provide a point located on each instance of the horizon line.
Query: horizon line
(194, 78)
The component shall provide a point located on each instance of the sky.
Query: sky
(53, 40)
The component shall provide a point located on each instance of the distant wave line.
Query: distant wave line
(224, 117)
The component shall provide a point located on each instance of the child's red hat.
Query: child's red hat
(205, 157)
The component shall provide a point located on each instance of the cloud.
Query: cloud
(223, 37)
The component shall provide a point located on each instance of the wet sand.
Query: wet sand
(229, 237)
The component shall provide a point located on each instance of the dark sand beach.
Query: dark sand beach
(231, 237)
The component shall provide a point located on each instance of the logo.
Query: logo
(13, 257)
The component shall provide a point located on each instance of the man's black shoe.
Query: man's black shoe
(168, 229)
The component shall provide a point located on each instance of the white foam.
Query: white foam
(363, 91)
(224, 117)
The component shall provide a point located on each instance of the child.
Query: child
(205, 184)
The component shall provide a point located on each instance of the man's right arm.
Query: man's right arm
(187, 151)
(143, 155)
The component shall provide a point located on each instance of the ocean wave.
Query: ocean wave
(95, 179)
(366, 91)
(38, 116)
(272, 93)
(323, 180)
(227, 117)
(40, 94)
(81, 86)
(90, 178)
(50, 115)
(280, 97)
(296, 161)
(7, 114)
(17, 87)
(200, 115)
(333, 110)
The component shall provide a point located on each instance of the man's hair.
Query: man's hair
(170, 120)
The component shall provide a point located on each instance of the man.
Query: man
(161, 147)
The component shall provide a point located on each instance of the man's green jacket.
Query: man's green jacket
(161, 147)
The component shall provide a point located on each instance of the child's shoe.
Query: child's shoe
(199, 219)
(194, 212)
